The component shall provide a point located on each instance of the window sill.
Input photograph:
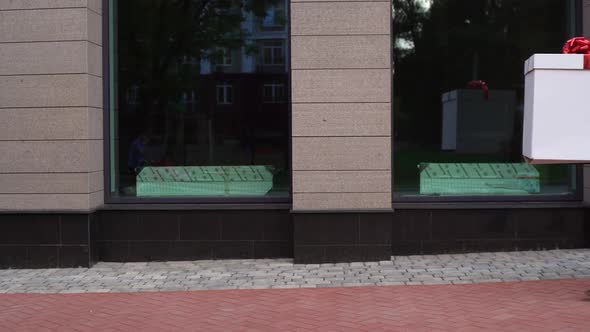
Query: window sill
(176, 207)
(488, 205)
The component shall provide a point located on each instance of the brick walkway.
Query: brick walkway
(263, 274)
(523, 306)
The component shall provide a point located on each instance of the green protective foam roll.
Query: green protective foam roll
(204, 181)
(478, 179)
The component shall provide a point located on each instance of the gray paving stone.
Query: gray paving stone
(285, 286)
(357, 284)
(462, 282)
(425, 278)
(392, 283)
(331, 285)
(450, 274)
(282, 273)
(436, 282)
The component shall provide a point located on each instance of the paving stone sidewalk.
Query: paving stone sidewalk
(282, 273)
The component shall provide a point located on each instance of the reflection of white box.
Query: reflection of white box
(473, 123)
(556, 115)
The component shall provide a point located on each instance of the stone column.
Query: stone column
(51, 145)
(341, 94)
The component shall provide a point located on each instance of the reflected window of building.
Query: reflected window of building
(273, 53)
(132, 97)
(274, 17)
(224, 93)
(223, 57)
(188, 60)
(189, 115)
(459, 95)
(273, 93)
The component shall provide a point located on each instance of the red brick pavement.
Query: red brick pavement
(527, 306)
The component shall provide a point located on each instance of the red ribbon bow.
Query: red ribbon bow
(579, 45)
(480, 85)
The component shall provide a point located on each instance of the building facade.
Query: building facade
(326, 131)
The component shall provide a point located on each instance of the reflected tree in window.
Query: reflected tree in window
(167, 31)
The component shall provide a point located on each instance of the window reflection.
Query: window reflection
(198, 89)
(224, 93)
(458, 95)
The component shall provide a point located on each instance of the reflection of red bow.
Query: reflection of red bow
(579, 45)
(480, 85)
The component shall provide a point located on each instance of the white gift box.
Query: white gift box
(556, 113)
(474, 123)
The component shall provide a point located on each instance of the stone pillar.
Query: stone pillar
(51, 127)
(341, 127)
(341, 94)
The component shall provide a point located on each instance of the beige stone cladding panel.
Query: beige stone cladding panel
(72, 57)
(341, 113)
(76, 90)
(342, 86)
(45, 4)
(340, 52)
(51, 183)
(67, 156)
(340, 18)
(51, 119)
(342, 119)
(342, 182)
(80, 123)
(43, 25)
(341, 153)
(341, 201)
(47, 203)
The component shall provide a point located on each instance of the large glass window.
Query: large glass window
(197, 98)
(458, 96)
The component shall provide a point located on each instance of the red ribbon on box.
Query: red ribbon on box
(579, 45)
(480, 85)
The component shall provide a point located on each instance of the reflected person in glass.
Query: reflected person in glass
(136, 159)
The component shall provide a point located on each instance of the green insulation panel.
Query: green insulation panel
(478, 179)
(204, 181)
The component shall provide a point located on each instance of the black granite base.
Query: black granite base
(79, 240)
(457, 231)
(336, 237)
(45, 240)
(124, 236)
(341, 237)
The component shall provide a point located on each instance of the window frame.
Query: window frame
(577, 196)
(227, 98)
(274, 26)
(277, 98)
(226, 57)
(272, 49)
(121, 202)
